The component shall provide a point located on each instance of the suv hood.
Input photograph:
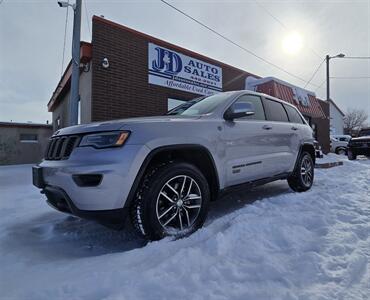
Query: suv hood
(119, 124)
(361, 138)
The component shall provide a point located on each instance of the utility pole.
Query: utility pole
(75, 81)
(327, 78)
(327, 58)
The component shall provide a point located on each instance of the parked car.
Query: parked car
(342, 137)
(318, 149)
(339, 144)
(360, 145)
(163, 171)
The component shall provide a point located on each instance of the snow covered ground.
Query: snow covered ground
(268, 243)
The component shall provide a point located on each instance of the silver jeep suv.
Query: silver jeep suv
(163, 171)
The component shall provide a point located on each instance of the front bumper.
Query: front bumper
(59, 199)
(360, 147)
(117, 167)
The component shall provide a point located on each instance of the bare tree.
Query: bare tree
(354, 120)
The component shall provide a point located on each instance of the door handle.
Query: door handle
(267, 127)
(294, 128)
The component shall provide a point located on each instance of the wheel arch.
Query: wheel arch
(339, 148)
(308, 147)
(196, 154)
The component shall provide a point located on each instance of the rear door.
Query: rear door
(283, 137)
(246, 144)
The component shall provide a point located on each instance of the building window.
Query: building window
(28, 138)
(57, 122)
(172, 103)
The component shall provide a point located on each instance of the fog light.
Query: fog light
(85, 180)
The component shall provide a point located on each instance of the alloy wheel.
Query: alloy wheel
(306, 171)
(178, 203)
(342, 152)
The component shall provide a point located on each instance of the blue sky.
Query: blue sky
(32, 32)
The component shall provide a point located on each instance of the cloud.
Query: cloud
(32, 42)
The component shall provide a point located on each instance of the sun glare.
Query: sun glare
(292, 43)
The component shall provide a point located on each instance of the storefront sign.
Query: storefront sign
(177, 71)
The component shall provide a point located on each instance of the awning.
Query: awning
(304, 100)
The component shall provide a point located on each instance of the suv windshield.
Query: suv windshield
(199, 106)
(364, 132)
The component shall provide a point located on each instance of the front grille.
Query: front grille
(61, 147)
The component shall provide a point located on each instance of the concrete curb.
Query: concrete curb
(328, 165)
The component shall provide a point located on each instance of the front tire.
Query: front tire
(341, 151)
(302, 178)
(172, 200)
(351, 155)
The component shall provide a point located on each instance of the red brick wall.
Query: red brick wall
(323, 127)
(123, 90)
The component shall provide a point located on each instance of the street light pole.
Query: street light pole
(75, 80)
(327, 58)
(327, 78)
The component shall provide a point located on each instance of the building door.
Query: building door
(173, 103)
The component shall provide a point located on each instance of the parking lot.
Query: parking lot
(265, 243)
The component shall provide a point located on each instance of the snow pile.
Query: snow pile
(330, 158)
(284, 245)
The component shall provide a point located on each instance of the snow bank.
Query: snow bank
(267, 243)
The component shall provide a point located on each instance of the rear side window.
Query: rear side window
(293, 114)
(275, 111)
(256, 103)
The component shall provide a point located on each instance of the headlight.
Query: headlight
(105, 139)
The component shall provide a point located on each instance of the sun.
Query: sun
(292, 43)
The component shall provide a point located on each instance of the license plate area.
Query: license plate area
(38, 177)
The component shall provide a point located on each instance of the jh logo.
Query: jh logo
(167, 62)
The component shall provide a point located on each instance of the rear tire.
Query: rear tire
(351, 155)
(172, 200)
(302, 177)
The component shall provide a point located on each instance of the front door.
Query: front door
(246, 144)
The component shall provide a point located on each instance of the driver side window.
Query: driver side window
(255, 103)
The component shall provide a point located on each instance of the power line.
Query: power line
(314, 73)
(354, 77)
(356, 57)
(87, 17)
(64, 42)
(234, 43)
(284, 26)
(271, 15)
(320, 85)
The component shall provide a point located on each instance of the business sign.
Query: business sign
(300, 96)
(177, 71)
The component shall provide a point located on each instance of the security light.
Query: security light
(63, 3)
(66, 4)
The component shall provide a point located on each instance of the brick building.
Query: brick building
(125, 73)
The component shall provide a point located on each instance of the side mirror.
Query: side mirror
(239, 110)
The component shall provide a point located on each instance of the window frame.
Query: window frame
(248, 120)
(299, 115)
(265, 99)
(28, 140)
